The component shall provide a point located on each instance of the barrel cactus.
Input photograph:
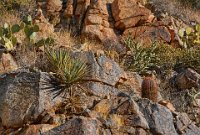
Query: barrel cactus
(150, 89)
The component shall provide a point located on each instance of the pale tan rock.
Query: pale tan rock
(53, 5)
(7, 63)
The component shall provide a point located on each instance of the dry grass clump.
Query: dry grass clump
(10, 5)
(11, 18)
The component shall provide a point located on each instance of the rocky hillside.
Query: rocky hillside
(99, 67)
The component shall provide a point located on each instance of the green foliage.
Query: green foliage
(7, 37)
(70, 71)
(141, 58)
(190, 36)
(189, 58)
(31, 30)
(9, 40)
(163, 56)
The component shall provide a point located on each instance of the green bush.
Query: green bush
(7, 37)
(142, 59)
(189, 58)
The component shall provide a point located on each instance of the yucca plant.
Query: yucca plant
(69, 71)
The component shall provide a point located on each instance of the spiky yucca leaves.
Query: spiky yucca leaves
(150, 89)
(70, 71)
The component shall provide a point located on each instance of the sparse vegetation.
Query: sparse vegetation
(8, 5)
(140, 57)
(192, 3)
(143, 58)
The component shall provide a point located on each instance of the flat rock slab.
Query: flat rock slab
(22, 98)
(159, 118)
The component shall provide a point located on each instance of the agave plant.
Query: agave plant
(69, 71)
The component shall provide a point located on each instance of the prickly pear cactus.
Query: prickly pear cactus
(150, 89)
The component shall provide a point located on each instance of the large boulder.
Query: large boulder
(104, 74)
(187, 79)
(159, 118)
(127, 14)
(77, 126)
(148, 34)
(22, 98)
(185, 126)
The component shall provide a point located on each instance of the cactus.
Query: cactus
(190, 36)
(150, 89)
(30, 29)
(7, 37)
(9, 40)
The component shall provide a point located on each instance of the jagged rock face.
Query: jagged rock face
(99, 22)
(22, 100)
(106, 20)
(53, 8)
(153, 114)
(77, 126)
(100, 108)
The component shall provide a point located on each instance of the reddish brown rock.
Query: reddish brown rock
(127, 13)
(187, 79)
(147, 34)
(35, 129)
(98, 23)
(53, 8)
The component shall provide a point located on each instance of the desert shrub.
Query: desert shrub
(189, 58)
(141, 59)
(69, 71)
(192, 3)
(14, 4)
